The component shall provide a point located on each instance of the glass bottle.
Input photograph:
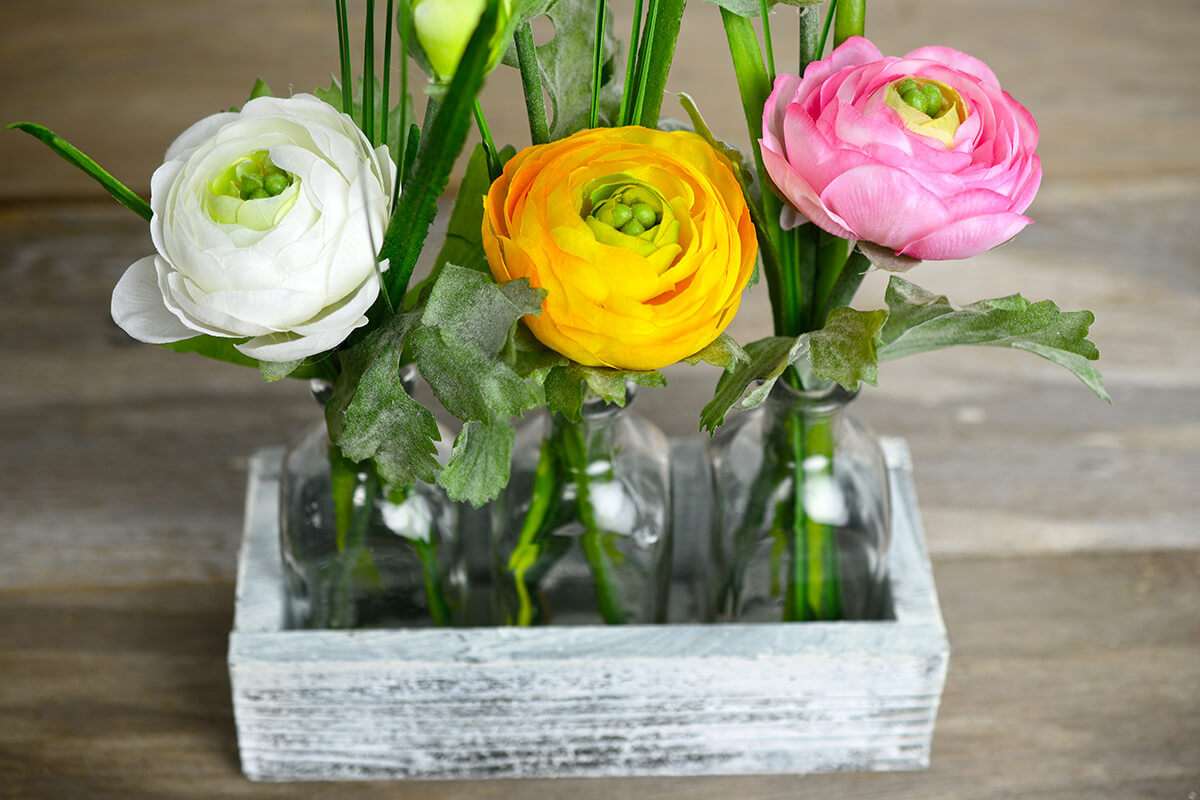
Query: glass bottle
(377, 555)
(581, 533)
(801, 512)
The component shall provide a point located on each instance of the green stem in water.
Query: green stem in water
(531, 82)
(434, 593)
(814, 585)
(525, 554)
(352, 521)
(575, 456)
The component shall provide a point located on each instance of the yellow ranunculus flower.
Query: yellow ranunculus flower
(641, 239)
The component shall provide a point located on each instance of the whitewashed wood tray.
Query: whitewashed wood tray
(683, 699)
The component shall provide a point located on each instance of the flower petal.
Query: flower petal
(138, 308)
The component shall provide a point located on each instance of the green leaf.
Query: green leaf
(439, 148)
(724, 352)
(471, 384)
(844, 350)
(75, 157)
(753, 8)
(478, 310)
(275, 370)
(479, 465)
(371, 416)
(566, 386)
(260, 90)
(921, 321)
(768, 358)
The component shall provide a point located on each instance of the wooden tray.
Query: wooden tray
(679, 699)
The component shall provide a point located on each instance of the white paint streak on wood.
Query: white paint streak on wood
(584, 701)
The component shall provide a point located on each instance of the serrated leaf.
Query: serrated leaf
(566, 386)
(371, 416)
(768, 358)
(479, 464)
(476, 309)
(844, 350)
(723, 352)
(471, 384)
(921, 321)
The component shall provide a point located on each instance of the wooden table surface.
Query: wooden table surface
(1064, 531)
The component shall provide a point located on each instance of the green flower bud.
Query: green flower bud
(444, 28)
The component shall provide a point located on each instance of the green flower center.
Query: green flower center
(928, 108)
(624, 212)
(252, 192)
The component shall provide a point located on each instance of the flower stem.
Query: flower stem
(531, 82)
(597, 62)
(575, 455)
(545, 491)
(814, 587)
(434, 593)
(343, 31)
(765, 12)
(368, 76)
(631, 64)
(489, 145)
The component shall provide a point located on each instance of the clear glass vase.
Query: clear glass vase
(581, 533)
(802, 517)
(359, 553)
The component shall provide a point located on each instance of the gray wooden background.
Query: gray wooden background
(1063, 531)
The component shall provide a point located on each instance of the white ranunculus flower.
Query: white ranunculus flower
(267, 224)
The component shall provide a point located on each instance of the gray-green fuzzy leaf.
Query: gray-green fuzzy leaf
(471, 384)
(921, 321)
(371, 416)
(478, 468)
(768, 358)
(566, 386)
(724, 352)
(476, 309)
(844, 350)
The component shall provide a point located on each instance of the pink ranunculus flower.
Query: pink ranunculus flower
(924, 155)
